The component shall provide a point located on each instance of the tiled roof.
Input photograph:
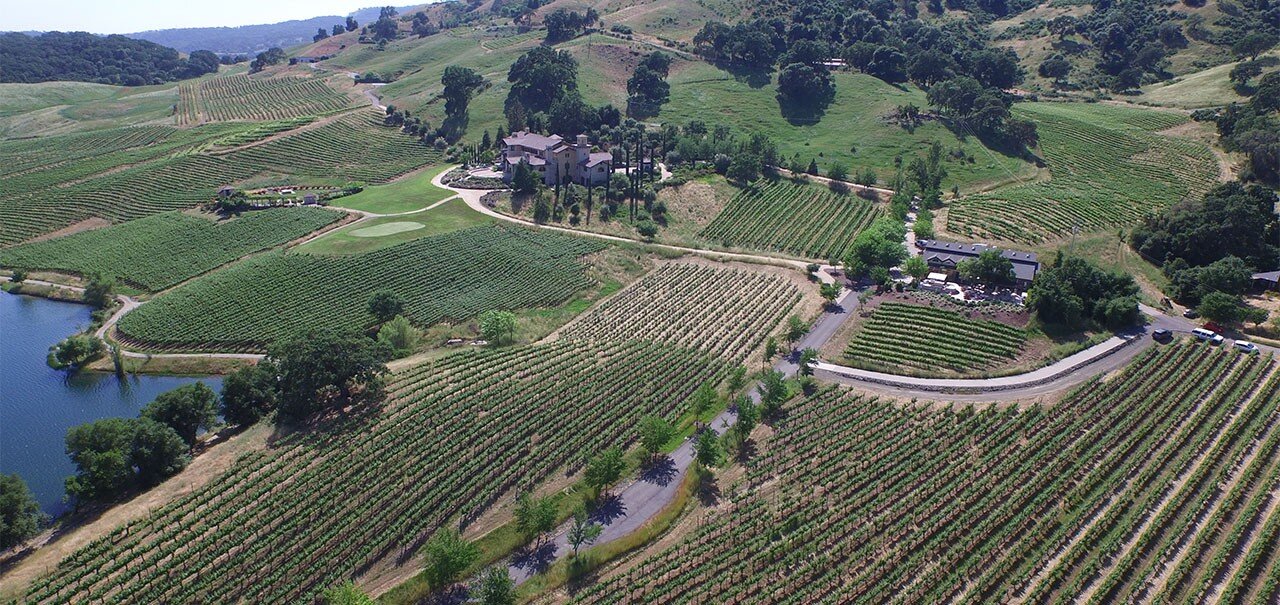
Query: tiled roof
(598, 157)
(532, 140)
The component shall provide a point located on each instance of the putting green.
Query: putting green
(387, 229)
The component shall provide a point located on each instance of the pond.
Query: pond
(38, 404)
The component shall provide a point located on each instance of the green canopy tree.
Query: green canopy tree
(249, 394)
(186, 409)
(322, 367)
(604, 470)
(447, 555)
(654, 434)
(20, 516)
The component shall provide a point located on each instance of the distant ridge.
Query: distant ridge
(249, 39)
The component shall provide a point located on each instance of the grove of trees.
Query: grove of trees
(86, 57)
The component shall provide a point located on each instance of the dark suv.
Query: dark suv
(1162, 335)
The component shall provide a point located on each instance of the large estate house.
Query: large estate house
(556, 160)
(945, 256)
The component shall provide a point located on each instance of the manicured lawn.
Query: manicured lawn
(413, 192)
(363, 236)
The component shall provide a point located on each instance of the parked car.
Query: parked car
(1246, 347)
(1162, 335)
(1190, 314)
(1207, 335)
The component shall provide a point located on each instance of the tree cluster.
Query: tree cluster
(878, 37)
(544, 96)
(876, 249)
(20, 515)
(647, 89)
(1215, 244)
(1253, 128)
(115, 455)
(267, 58)
(85, 57)
(563, 24)
(1072, 291)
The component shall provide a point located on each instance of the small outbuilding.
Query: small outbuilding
(226, 191)
(1269, 280)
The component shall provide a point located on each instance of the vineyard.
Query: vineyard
(160, 251)
(1158, 485)
(242, 97)
(175, 173)
(454, 436)
(796, 219)
(726, 312)
(1110, 168)
(448, 277)
(927, 338)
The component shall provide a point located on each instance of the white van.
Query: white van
(1207, 335)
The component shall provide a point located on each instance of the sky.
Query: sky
(127, 16)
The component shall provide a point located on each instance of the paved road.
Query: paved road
(635, 504)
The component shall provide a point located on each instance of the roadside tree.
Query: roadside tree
(604, 470)
(654, 434)
(535, 516)
(583, 532)
(447, 556)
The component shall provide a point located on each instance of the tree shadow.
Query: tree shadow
(807, 111)
(453, 127)
(995, 142)
(709, 490)
(535, 558)
(746, 450)
(754, 77)
(608, 509)
(660, 470)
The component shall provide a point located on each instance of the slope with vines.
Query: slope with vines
(861, 500)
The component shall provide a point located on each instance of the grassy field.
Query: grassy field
(449, 216)
(1111, 166)
(413, 192)
(65, 107)
(798, 219)
(851, 132)
(159, 251)
(1207, 88)
(925, 338)
(57, 181)
(1154, 485)
(442, 278)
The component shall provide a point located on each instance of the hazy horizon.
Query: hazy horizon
(129, 16)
